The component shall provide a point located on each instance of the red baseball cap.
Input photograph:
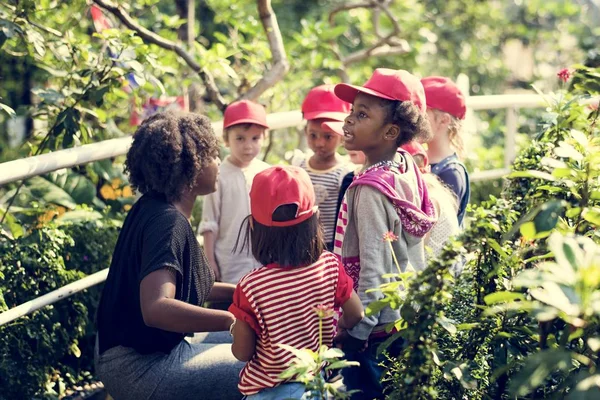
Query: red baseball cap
(390, 84)
(321, 102)
(415, 148)
(245, 112)
(280, 185)
(334, 126)
(443, 94)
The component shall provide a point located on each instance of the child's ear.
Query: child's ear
(392, 132)
(445, 118)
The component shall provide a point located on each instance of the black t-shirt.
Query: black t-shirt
(155, 235)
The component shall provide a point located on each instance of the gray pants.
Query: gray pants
(198, 368)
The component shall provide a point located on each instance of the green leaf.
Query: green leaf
(78, 216)
(16, 229)
(537, 368)
(341, 364)
(333, 352)
(305, 355)
(502, 297)
(566, 150)
(532, 174)
(376, 306)
(47, 191)
(494, 245)
(528, 230)
(592, 215)
(447, 324)
(387, 343)
(11, 113)
(467, 326)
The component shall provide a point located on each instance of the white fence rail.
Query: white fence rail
(32, 166)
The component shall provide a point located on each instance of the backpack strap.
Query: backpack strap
(444, 164)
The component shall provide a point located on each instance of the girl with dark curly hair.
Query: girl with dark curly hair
(159, 277)
(387, 197)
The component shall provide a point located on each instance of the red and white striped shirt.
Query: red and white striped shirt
(278, 303)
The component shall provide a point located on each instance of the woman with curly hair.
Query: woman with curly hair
(159, 277)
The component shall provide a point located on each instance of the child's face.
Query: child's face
(357, 157)
(321, 141)
(206, 182)
(439, 122)
(365, 127)
(244, 144)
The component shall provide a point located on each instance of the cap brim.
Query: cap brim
(334, 115)
(348, 92)
(246, 121)
(334, 126)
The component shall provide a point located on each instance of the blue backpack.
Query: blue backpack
(443, 165)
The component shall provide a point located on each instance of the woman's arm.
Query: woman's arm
(161, 310)
(221, 292)
(244, 341)
(353, 312)
(209, 250)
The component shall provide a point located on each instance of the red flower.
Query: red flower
(564, 74)
(389, 237)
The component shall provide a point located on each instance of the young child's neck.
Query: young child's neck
(323, 162)
(376, 157)
(439, 148)
(239, 163)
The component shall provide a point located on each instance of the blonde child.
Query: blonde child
(446, 109)
(443, 199)
(387, 197)
(244, 127)
(325, 113)
(275, 304)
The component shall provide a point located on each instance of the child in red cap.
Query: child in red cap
(387, 197)
(446, 109)
(275, 304)
(443, 199)
(325, 114)
(223, 211)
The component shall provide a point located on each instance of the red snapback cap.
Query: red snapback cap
(443, 94)
(280, 185)
(415, 148)
(321, 102)
(245, 112)
(334, 126)
(390, 84)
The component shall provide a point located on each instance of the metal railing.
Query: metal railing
(16, 170)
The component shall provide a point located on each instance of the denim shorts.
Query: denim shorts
(293, 390)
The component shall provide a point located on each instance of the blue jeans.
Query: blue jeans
(367, 377)
(293, 390)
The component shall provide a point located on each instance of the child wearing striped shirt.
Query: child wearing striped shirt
(325, 113)
(275, 304)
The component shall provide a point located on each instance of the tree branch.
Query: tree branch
(280, 63)
(348, 7)
(151, 37)
(386, 45)
(379, 49)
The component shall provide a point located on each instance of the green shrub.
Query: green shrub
(43, 352)
(522, 320)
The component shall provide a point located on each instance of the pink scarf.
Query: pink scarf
(415, 220)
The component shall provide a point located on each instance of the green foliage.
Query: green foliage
(309, 367)
(520, 321)
(44, 352)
